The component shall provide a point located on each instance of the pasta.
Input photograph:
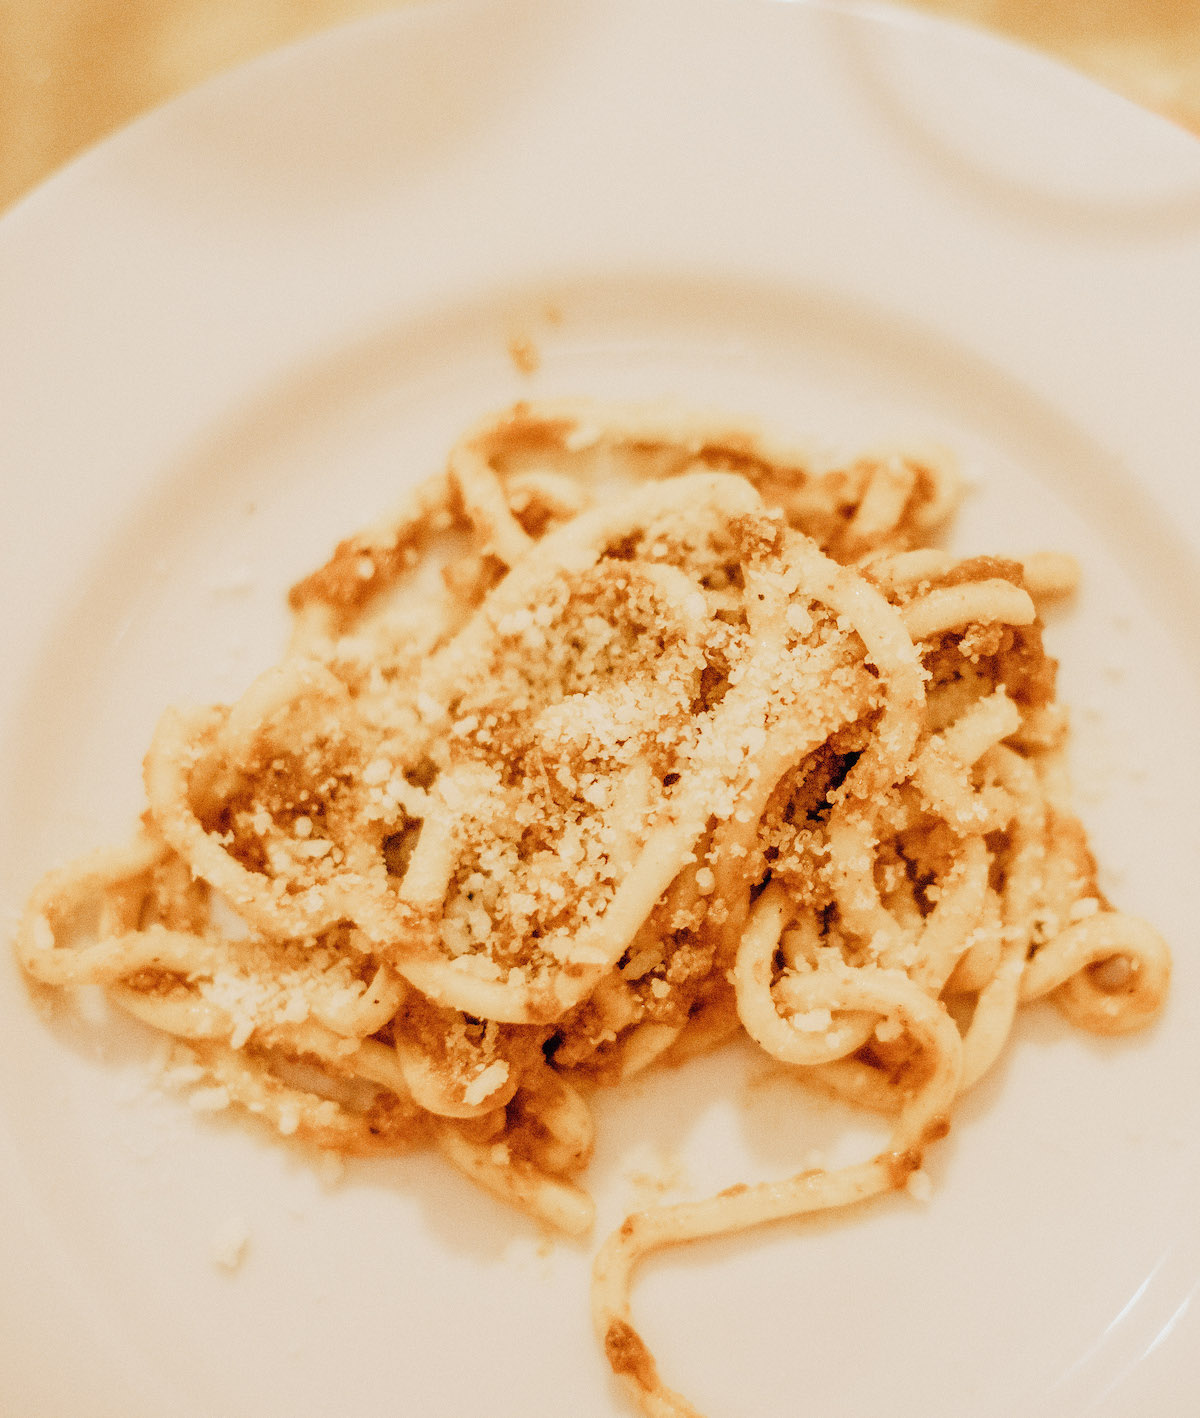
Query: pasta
(625, 733)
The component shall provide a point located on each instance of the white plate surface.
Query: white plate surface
(232, 333)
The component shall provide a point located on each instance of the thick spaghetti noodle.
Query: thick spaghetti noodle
(626, 733)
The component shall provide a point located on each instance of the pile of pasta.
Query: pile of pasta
(626, 733)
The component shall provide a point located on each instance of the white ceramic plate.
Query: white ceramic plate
(234, 332)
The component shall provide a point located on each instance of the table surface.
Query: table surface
(72, 71)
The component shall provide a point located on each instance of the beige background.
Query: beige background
(73, 70)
